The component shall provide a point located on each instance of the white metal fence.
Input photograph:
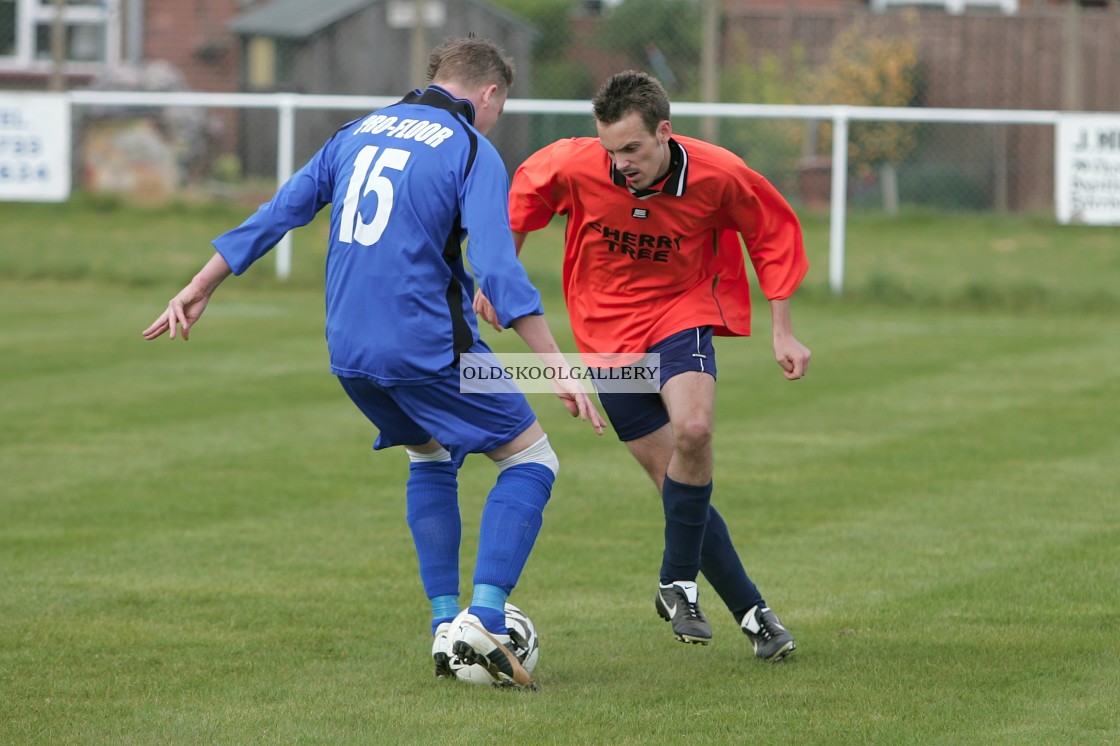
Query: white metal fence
(286, 106)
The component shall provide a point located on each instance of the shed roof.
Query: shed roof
(299, 19)
(295, 19)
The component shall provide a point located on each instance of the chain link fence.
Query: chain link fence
(1047, 56)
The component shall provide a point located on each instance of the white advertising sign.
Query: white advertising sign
(34, 147)
(1087, 169)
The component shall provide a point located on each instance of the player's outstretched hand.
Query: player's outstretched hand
(792, 356)
(578, 403)
(485, 310)
(182, 312)
(184, 309)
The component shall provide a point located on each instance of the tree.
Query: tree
(770, 146)
(555, 74)
(868, 66)
(661, 36)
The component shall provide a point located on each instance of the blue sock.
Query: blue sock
(444, 609)
(511, 520)
(686, 515)
(489, 605)
(722, 567)
(433, 517)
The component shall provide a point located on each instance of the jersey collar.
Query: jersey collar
(673, 184)
(435, 96)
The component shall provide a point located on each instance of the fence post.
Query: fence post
(839, 199)
(285, 146)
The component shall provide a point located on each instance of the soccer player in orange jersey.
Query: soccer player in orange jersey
(653, 264)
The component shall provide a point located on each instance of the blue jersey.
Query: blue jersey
(407, 184)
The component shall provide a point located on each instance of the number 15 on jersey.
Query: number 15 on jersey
(368, 177)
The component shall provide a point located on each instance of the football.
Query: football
(526, 647)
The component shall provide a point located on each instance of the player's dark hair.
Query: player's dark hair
(630, 91)
(470, 61)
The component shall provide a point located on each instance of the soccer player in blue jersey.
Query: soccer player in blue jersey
(407, 184)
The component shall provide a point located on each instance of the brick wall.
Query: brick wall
(192, 36)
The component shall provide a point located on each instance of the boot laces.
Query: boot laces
(768, 626)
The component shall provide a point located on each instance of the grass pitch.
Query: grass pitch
(198, 546)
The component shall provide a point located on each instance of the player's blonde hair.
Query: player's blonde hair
(631, 91)
(470, 61)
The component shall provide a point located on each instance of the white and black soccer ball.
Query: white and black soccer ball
(522, 634)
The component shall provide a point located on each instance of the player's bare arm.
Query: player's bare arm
(188, 304)
(790, 353)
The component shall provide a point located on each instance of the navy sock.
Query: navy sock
(686, 515)
(511, 520)
(720, 564)
(433, 517)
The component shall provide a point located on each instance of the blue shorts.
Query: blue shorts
(636, 415)
(461, 423)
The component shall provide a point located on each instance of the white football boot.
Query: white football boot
(476, 645)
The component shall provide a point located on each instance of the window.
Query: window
(956, 7)
(270, 63)
(91, 34)
(7, 28)
(84, 42)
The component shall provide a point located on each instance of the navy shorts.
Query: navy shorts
(636, 415)
(461, 423)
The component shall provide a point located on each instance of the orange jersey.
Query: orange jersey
(641, 266)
